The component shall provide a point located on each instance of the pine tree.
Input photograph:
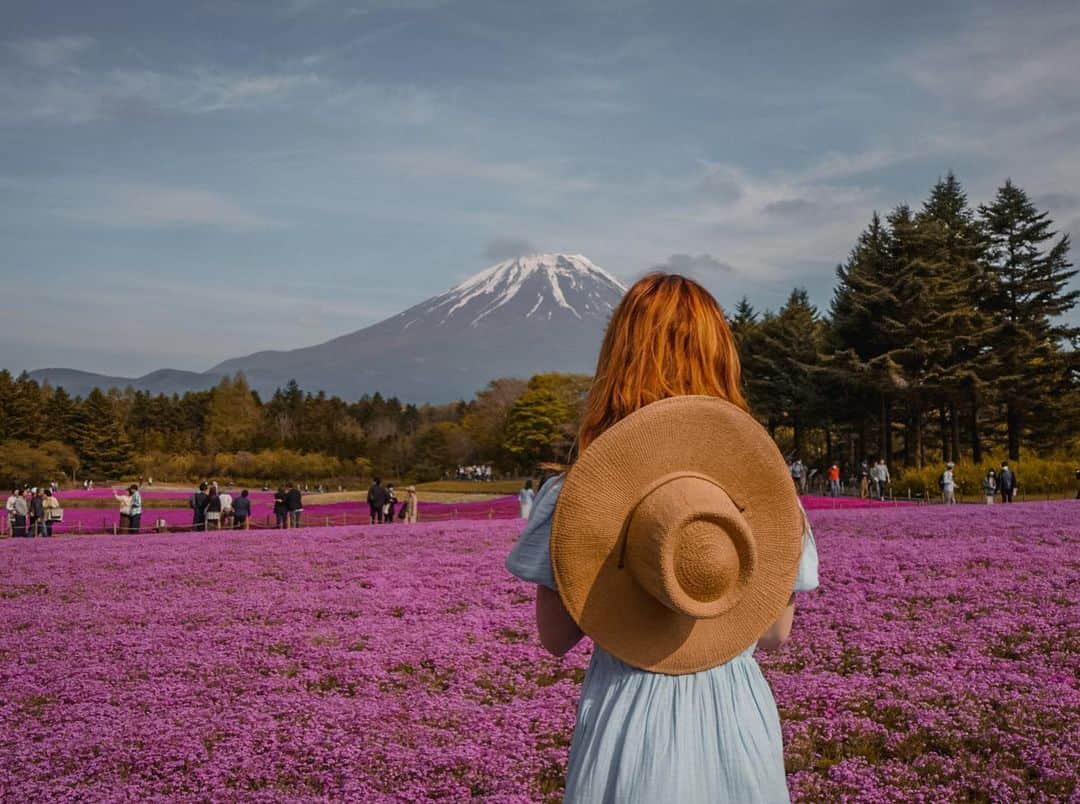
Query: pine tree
(789, 355)
(99, 437)
(1028, 291)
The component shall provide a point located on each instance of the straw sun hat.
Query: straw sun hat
(677, 535)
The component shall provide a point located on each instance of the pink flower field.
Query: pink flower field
(939, 661)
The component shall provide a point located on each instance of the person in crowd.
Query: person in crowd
(885, 478)
(948, 484)
(241, 509)
(1078, 484)
(834, 480)
(37, 512)
(989, 485)
(412, 505)
(673, 705)
(213, 509)
(197, 503)
(376, 499)
(281, 510)
(388, 506)
(52, 511)
(124, 498)
(525, 499)
(798, 476)
(18, 512)
(1007, 483)
(864, 479)
(135, 514)
(9, 508)
(226, 509)
(295, 505)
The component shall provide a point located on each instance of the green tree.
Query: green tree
(1026, 299)
(99, 437)
(536, 427)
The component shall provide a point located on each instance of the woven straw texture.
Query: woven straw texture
(695, 435)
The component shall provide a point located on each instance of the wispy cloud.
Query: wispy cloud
(50, 52)
(1014, 59)
(50, 83)
(507, 247)
(128, 205)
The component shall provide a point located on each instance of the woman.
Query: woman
(525, 500)
(213, 509)
(281, 510)
(412, 505)
(52, 511)
(989, 485)
(673, 705)
(124, 498)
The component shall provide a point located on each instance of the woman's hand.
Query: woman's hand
(558, 631)
(780, 630)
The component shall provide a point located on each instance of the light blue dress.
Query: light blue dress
(712, 736)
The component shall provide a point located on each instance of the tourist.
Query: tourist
(241, 509)
(376, 499)
(1078, 484)
(281, 510)
(37, 512)
(135, 515)
(213, 509)
(294, 504)
(1007, 483)
(834, 480)
(798, 476)
(19, 512)
(886, 478)
(948, 484)
(124, 498)
(525, 499)
(388, 506)
(226, 509)
(197, 503)
(673, 704)
(864, 479)
(53, 513)
(412, 505)
(989, 485)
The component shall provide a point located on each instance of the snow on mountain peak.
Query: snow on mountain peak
(550, 284)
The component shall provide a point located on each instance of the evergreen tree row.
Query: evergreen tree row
(945, 337)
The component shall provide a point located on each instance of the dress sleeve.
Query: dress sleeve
(807, 578)
(530, 559)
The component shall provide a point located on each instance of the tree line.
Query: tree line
(944, 340)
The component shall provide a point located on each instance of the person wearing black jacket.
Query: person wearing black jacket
(281, 510)
(197, 504)
(37, 513)
(294, 505)
(1007, 483)
(241, 511)
(376, 499)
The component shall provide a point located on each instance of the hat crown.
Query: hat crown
(689, 546)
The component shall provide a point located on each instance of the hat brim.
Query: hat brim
(698, 434)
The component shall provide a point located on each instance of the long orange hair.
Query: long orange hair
(667, 337)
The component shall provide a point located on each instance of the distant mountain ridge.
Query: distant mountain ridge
(541, 312)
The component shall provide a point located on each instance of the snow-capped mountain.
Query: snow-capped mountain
(551, 286)
(542, 312)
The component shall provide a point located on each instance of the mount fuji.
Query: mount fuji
(543, 312)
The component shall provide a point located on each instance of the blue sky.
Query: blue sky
(186, 182)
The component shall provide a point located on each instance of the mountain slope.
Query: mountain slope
(544, 312)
